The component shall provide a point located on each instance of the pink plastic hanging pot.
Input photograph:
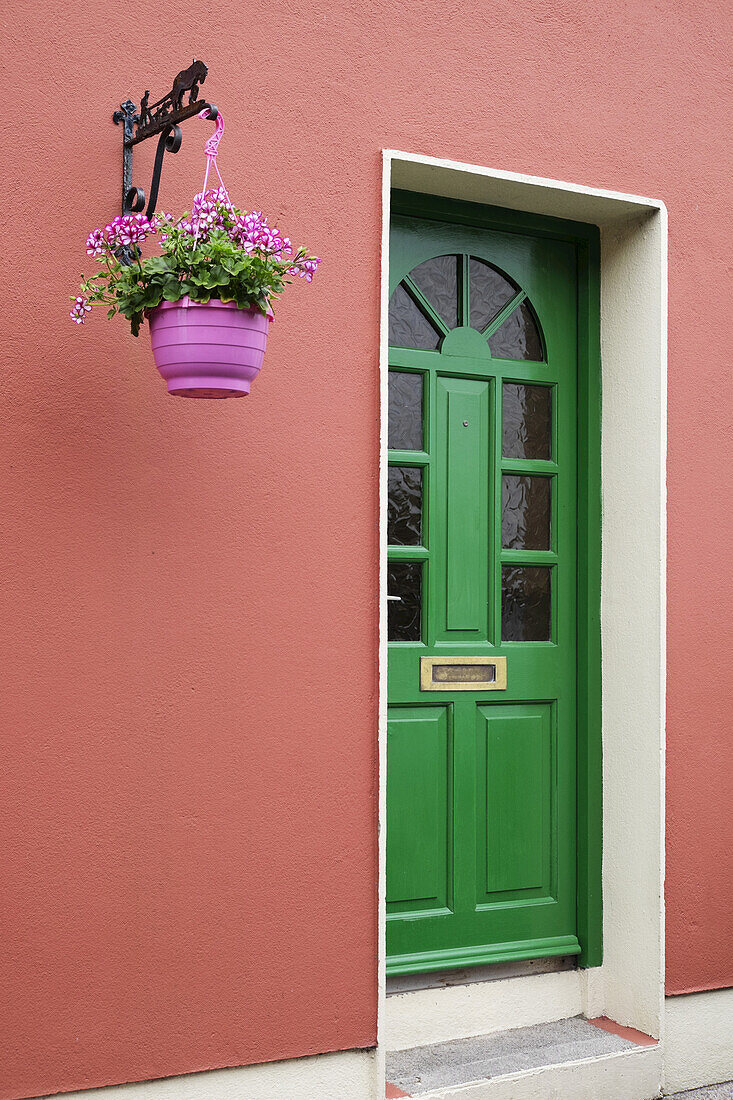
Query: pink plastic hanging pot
(212, 349)
(208, 350)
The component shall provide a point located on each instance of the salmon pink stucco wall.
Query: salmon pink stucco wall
(190, 589)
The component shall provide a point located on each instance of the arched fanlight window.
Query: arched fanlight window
(449, 292)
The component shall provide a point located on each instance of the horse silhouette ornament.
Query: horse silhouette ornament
(153, 117)
(188, 80)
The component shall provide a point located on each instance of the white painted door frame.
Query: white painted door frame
(629, 986)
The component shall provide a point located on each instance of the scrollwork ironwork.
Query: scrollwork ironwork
(162, 117)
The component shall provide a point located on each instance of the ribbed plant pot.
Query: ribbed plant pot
(208, 350)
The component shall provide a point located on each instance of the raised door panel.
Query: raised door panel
(419, 809)
(461, 529)
(515, 803)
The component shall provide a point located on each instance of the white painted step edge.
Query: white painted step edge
(626, 1075)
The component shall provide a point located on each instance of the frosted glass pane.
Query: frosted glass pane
(404, 511)
(408, 326)
(404, 579)
(518, 337)
(438, 280)
(525, 514)
(527, 423)
(489, 292)
(525, 604)
(405, 411)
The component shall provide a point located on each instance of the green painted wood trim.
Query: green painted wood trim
(586, 237)
(590, 762)
(464, 303)
(528, 557)
(424, 962)
(408, 458)
(540, 466)
(458, 212)
(408, 553)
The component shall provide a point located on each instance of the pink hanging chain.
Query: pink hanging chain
(212, 145)
(211, 148)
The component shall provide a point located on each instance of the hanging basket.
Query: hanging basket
(208, 350)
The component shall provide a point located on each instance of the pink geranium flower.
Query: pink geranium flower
(79, 310)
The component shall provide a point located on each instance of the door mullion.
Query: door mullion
(464, 804)
(432, 518)
(465, 301)
(495, 512)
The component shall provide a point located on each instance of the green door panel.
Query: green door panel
(481, 784)
(419, 809)
(517, 849)
(462, 482)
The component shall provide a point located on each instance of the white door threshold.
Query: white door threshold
(569, 1058)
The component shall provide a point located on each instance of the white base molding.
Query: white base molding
(427, 1016)
(344, 1075)
(698, 1040)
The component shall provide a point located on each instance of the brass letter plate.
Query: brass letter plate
(463, 674)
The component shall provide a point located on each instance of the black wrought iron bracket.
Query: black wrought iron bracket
(162, 118)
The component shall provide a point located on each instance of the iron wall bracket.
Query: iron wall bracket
(161, 118)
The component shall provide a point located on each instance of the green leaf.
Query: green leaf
(152, 297)
(156, 265)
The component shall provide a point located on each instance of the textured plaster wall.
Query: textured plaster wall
(189, 601)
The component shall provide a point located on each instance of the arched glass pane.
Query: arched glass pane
(518, 337)
(489, 292)
(438, 280)
(408, 325)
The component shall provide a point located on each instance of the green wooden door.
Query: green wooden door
(483, 594)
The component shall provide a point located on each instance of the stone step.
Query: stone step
(431, 1070)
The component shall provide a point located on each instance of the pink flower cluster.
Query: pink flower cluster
(207, 202)
(79, 310)
(206, 213)
(252, 231)
(213, 210)
(307, 268)
(124, 230)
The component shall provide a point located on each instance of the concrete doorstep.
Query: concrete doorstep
(461, 1062)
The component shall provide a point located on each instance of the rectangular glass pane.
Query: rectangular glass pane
(405, 431)
(527, 421)
(525, 513)
(525, 603)
(404, 580)
(404, 509)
